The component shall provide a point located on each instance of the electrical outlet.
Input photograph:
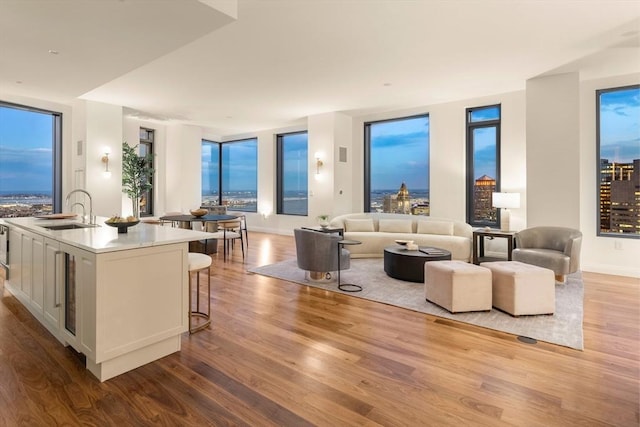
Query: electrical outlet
(617, 245)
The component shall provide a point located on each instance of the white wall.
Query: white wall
(553, 151)
(600, 254)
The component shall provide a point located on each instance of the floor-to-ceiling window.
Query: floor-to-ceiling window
(483, 164)
(397, 166)
(145, 150)
(234, 173)
(210, 173)
(30, 161)
(292, 169)
(618, 163)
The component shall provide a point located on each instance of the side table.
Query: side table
(480, 234)
(346, 287)
(319, 229)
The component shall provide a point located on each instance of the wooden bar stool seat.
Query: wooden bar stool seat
(197, 263)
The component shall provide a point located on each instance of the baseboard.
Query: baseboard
(613, 270)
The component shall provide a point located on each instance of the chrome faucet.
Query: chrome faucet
(84, 212)
(92, 220)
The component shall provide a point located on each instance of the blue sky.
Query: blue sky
(400, 153)
(26, 150)
(242, 176)
(620, 125)
(296, 162)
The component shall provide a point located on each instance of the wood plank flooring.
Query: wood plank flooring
(281, 354)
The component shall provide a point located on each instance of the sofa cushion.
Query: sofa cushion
(394, 225)
(358, 225)
(444, 228)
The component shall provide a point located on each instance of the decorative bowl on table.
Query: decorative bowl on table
(198, 212)
(122, 224)
(404, 242)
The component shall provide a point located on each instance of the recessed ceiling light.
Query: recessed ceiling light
(18, 82)
(386, 84)
(53, 52)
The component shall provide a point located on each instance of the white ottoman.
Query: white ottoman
(522, 289)
(457, 286)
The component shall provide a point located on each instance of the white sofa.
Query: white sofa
(378, 230)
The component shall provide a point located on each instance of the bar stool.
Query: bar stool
(197, 263)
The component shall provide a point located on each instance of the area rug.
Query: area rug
(563, 328)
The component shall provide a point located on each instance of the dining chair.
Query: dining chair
(228, 231)
(243, 228)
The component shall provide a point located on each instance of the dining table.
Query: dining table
(187, 220)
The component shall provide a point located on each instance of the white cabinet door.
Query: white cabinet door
(27, 258)
(37, 273)
(52, 284)
(79, 278)
(15, 259)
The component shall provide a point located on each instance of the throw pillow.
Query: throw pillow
(358, 224)
(395, 226)
(435, 227)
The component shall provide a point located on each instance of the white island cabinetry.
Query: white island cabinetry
(121, 300)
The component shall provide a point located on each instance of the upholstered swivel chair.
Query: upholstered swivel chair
(555, 248)
(317, 253)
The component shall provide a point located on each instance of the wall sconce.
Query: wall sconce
(318, 164)
(505, 201)
(105, 159)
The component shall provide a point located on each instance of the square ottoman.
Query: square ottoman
(522, 289)
(457, 286)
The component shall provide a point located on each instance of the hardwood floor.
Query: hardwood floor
(282, 354)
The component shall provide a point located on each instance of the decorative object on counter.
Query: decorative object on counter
(198, 212)
(137, 172)
(122, 224)
(323, 220)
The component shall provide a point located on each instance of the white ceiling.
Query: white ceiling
(282, 60)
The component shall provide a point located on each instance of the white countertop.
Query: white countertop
(103, 238)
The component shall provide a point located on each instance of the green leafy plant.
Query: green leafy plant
(136, 173)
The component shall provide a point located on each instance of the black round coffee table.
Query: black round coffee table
(404, 264)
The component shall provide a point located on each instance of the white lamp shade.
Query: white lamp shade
(506, 200)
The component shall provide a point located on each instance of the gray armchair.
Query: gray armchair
(555, 248)
(317, 253)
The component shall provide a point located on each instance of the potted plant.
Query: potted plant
(136, 174)
(323, 220)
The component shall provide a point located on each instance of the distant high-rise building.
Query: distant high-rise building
(397, 203)
(403, 200)
(482, 193)
(389, 203)
(620, 197)
(421, 209)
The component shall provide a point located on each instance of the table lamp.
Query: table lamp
(505, 201)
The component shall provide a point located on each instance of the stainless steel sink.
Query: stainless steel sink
(68, 226)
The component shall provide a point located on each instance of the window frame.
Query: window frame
(367, 154)
(280, 169)
(149, 143)
(598, 156)
(56, 147)
(219, 147)
(470, 175)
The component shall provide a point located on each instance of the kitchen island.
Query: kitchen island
(120, 299)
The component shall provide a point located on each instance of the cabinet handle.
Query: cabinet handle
(56, 300)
